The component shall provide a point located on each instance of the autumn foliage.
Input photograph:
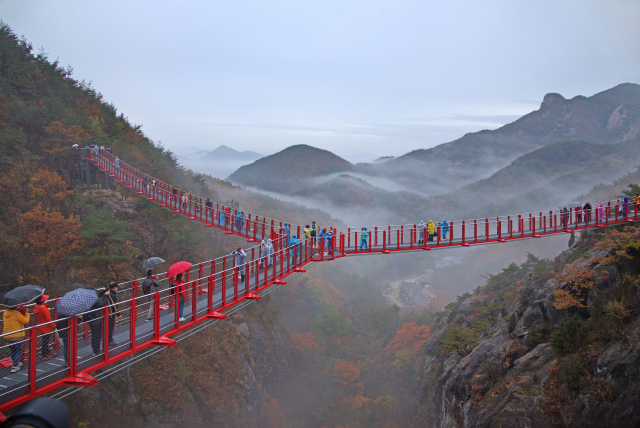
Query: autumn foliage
(410, 337)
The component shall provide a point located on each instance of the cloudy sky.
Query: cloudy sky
(350, 76)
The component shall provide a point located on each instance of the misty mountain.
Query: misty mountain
(610, 116)
(288, 170)
(568, 167)
(224, 153)
(549, 176)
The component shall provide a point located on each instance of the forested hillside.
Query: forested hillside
(547, 343)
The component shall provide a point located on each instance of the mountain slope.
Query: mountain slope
(607, 117)
(287, 170)
(224, 153)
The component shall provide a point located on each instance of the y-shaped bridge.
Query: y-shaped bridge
(215, 287)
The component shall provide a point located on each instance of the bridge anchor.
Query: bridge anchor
(252, 296)
(217, 316)
(164, 341)
(300, 270)
(81, 379)
(279, 282)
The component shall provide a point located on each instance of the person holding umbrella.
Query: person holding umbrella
(111, 302)
(178, 286)
(95, 322)
(43, 316)
(149, 287)
(14, 321)
(241, 262)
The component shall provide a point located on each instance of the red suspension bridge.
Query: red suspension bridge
(215, 288)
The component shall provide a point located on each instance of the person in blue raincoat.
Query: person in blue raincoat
(221, 216)
(329, 240)
(363, 238)
(322, 239)
(625, 206)
(294, 247)
(444, 227)
(240, 221)
(286, 232)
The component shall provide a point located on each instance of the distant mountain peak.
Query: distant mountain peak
(551, 99)
(286, 170)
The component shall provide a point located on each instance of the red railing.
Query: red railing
(80, 336)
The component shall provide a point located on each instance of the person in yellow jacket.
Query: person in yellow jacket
(431, 230)
(14, 322)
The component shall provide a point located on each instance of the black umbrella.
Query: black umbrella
(22, 295)
(76, 302)
(151, 262)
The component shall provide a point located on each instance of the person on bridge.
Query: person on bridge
(179, 287)
(264, 253)
(587, 212)
(624, 209)
(111, 298)
(314, 232)
(329, 239)
(117, 162)
(364, 235)
(270, 252)
(600, 213)
(227, 216)
(185, 200)
(579, 214)
(322, 239)
(14, 322)
(239, 221)
(444, 227)
(145, 184)
(94, 317)
(222, 221)
(149, 287)
(564, 220)
(307, 232)
(241, 262)
(294, 248)
(43, 316)
(286, 232)
(421, 228)
(431, 230)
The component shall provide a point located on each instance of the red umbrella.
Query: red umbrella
(177, 268)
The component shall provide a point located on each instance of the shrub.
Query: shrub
(512, 323)
(534, 336)
(568, 334)
(574, 374)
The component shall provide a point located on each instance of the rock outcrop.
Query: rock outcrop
(511, 379)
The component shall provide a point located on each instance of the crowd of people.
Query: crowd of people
(54, 334)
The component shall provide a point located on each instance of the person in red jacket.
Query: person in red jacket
(43, 315)
(178, 286)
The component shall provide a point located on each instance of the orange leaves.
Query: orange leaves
(60, 138)
(347, 371)
(47, 187)
(50, 240)
(304, 342)
(410, 337)
(271, 413)
(92, 109)
(565, 300)
(580, 280)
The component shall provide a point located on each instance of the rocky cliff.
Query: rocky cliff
(541, 344)
(214, 378)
